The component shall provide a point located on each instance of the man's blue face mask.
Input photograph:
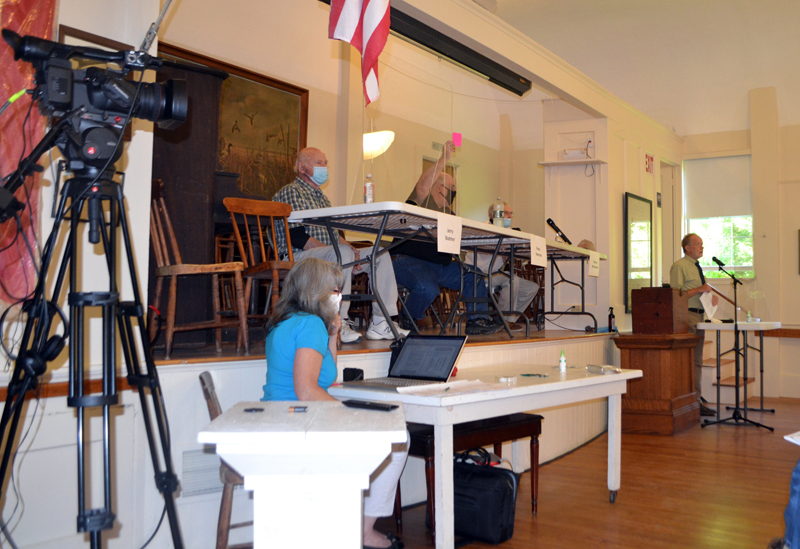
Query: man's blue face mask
(320, 175)
(506, 222)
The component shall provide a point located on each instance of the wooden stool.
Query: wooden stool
(474, 434)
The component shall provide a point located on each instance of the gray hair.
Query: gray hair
(491, 209)
(307, 289)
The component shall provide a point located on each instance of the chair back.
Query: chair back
(210, 394)
(258, 217)
(162, 236)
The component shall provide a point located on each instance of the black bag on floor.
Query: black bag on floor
(485, 498)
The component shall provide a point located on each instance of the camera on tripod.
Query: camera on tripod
(99, 101)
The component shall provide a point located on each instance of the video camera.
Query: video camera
(99, 101)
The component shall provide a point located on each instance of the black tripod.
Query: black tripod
(96, 193)
(737, 418)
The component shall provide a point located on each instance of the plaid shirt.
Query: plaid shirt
(301, 196)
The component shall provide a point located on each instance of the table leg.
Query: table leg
(443, 462)
(744, 375)
(614, 444)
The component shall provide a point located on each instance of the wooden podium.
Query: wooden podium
(663, 400)
(660, 311)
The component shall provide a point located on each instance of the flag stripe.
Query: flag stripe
(365, 25)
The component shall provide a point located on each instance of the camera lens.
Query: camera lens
(166, 103)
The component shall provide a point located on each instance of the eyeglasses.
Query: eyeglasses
(508, 214)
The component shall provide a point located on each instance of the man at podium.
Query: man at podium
(686, 274)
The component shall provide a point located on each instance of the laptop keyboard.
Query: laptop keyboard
(393, 382)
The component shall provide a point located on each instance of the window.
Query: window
(729, 239)
(719, 208)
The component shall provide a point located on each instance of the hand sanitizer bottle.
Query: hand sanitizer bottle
(562, 362)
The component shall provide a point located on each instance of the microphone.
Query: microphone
(717, 261)
(558, 231)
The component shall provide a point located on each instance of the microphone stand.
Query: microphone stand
(737, 418)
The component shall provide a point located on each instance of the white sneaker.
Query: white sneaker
(347, 333)
(381, 330)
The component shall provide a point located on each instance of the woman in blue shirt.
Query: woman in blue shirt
(301, 365)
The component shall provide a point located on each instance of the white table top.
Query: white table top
(404, 218)
(743, 326)
(322, 423)
(491, 388)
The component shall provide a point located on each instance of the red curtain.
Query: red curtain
(25, 17)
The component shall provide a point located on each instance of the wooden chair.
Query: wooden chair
(170, 266)
(255, 220)
(228, 476)
(474, 434)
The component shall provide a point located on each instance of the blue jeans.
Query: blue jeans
(791, 515)
(423, 279)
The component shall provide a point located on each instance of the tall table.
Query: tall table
(305, 465)
(406, 221)
(744, 328)
(491, 398)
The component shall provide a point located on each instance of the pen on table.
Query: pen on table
(533, 375)
(298, 408)
(446, 389)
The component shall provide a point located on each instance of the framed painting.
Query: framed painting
(263, 123)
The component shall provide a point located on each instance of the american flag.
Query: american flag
(365, 25)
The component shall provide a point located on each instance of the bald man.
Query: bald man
(422, 269)
(304, 193)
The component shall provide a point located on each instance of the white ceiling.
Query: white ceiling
(688, 64)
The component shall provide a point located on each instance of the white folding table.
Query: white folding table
(307, 469)
(444, 409)
(406, 221)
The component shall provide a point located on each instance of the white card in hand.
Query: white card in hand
(706, 298)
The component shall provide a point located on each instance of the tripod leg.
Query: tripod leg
(166, 479)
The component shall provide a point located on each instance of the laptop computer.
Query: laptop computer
(423, 360)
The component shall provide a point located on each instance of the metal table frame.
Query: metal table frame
(404, 222)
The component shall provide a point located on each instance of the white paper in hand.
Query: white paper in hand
(706, 299)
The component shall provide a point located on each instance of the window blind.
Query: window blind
(718, 187)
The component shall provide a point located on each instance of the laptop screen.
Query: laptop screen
(428, 357)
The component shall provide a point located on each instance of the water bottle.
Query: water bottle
(369, 190)
(612, 321)
(562, 362)
(497, 212)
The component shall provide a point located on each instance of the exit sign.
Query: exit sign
(649, 164)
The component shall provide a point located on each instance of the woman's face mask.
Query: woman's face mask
(336, 299)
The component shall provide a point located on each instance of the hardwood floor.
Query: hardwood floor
(719, 487)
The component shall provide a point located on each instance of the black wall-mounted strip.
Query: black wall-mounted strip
(419, 32)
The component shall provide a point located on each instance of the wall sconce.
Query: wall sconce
(377, 143)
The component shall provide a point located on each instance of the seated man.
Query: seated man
(304, 194)
(422, 269)
(524, 290)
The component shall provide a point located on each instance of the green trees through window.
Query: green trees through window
(729, 239)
